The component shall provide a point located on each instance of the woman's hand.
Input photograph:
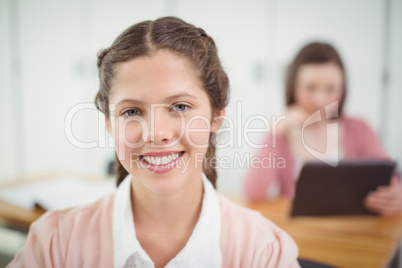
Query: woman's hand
(386, 200)
(295, 117)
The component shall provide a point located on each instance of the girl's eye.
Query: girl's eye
(132, 112)
(180, 107)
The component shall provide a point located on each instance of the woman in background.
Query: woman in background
(316, 81)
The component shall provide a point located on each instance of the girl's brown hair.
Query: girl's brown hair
(313, 53)
(176, 36)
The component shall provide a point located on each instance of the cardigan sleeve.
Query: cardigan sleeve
(248, 239)
(42, 248)
(280, 253)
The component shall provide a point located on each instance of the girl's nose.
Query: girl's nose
(161, 129)
(162, 133)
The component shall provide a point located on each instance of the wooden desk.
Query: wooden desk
(16, 217)
(346, 241)
(20, 218)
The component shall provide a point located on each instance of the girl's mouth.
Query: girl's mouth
(162, 162)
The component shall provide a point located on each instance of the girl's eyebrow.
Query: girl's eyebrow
(128, 101)
(180, 95)
(170, 98)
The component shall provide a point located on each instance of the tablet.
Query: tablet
(325, 190)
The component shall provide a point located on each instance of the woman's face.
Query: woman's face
(160, 120)
(318, 85)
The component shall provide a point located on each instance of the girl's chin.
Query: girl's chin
(165, 186)
(166, 183)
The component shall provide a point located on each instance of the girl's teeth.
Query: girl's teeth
(158, 160)
(165, 160)
(155, 160)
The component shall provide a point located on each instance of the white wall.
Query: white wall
(256, 39)
(8, 153)
(393, 134)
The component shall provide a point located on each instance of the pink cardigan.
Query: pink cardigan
(359, 141)
(82, 237)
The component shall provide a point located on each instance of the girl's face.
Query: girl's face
(160, 119)
(318, 85)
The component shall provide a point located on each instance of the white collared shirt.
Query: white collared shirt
(201, 250)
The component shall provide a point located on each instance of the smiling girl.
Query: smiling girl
(163, 92)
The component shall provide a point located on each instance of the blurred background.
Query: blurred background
(48, 65)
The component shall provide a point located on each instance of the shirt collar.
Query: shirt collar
(202, 248)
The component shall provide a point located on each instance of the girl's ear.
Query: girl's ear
(217, 120)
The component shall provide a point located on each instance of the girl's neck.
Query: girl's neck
(170, 213)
